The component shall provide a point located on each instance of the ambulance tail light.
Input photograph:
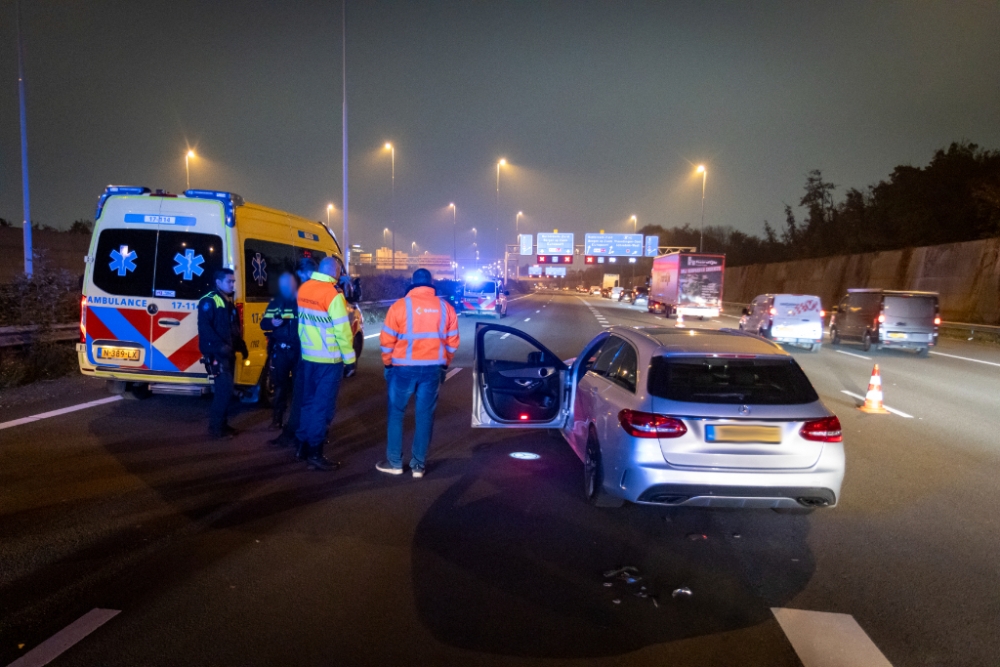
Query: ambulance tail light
(83, 319)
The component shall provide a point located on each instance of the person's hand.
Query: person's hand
(276, 321)
(350, 370)
(242, 349)
(225, 351)
(444, 373)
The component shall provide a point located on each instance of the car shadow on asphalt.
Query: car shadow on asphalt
(510, 560)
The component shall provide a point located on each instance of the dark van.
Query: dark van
(887, 318)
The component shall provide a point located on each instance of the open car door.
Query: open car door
(517, 382)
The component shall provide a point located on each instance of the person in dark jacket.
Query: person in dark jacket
(219, 340)
(305, 268)
(281, 326)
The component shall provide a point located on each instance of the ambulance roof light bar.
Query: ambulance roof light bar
(118, 190)
(229, 200)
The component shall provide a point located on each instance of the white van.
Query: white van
(795, 319)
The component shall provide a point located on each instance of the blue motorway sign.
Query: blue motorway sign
(652, 246)
(526, 247)
(555, 244)
(613, 245)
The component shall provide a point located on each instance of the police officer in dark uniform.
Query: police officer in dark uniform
(219, 340)
(303, 270)
(281, 326)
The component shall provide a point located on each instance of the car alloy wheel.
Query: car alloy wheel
(593, 476)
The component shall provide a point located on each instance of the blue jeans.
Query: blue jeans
(404, 382)
(320, 386)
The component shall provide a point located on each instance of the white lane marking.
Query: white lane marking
(519, 297)
(373, 335)
(504, 336)
(955, 356)
(851, 354)
(824, 639)
(538, 311)
(527, 319)
(61, 411)
(452, 373)
(862, 399)
(57, 644)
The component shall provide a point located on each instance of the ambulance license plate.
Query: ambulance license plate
(767, 434)
(119, 353)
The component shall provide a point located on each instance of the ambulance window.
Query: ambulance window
(123, 263)
(263, 264)
(186, 263)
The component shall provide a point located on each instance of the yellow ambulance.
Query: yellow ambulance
(152, 257)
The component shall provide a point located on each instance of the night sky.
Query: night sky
(601, 108)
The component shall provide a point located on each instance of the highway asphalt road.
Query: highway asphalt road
(234, 554)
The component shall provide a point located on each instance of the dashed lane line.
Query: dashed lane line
(862, 399)
(60, 642)
(60, 411)
(452, 373)
(852, 354)
(373, 335)
(527, 319)
(825, 639)
(504, 336)
(955, 356)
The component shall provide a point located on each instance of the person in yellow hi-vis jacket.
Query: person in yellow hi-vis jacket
(327, 356)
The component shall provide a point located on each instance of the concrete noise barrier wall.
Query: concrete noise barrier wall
(966, 275)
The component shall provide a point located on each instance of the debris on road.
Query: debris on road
(621, 570)
(696, 537)
(683, 592)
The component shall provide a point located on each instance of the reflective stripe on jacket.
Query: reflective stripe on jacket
(419, 330)
(324, 326)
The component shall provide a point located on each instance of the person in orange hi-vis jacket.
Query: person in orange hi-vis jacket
(419, 339)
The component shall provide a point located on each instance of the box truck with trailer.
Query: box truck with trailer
(688, 284)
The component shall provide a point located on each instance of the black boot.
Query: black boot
(302, 450)
(317, 461)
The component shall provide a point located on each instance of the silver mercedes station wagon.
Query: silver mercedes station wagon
(668, 416)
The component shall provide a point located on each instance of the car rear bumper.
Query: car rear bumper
(692, 311)
(647, 481)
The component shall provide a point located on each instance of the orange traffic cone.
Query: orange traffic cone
(680, 321)
(873, 399)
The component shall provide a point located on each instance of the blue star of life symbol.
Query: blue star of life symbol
(189, 264)
(259, 269)
(123, 260)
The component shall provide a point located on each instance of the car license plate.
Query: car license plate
(896, 334)
(120, 353)
(767, 434)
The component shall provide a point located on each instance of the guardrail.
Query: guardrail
(14, 336)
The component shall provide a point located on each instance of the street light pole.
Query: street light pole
(701, 233)
(635, 224)
(329, 207)
(392, 204)
(496, 233)
(25, 197)
(187, 167)
(343, 131)
(454, 239)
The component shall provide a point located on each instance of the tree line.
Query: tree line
(956, 197)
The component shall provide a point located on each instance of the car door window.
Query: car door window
(124, 261)
(521, 379)
(624, 368)
(606, 356)
(186, 263)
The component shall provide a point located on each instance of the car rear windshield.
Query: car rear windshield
(910, 306)
(482, 288)
(722, 380)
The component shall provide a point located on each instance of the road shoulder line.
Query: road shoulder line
(60, 411)
(60, 642)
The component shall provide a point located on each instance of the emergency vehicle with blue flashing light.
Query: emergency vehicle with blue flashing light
(482, 296)
(152, 256)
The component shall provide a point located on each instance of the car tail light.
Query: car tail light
(826, 429)
(649, 425)
(881, 318)
(773, 311)
(83, 319)
(822, 313)
(937, 321)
